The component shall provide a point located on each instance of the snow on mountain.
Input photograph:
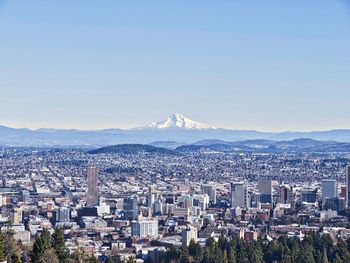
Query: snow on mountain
(178, 121)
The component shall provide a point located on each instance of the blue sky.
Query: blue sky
(259, 64)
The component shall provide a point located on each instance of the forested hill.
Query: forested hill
(314, 248)
(133, 149)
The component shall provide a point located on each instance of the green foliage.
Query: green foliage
(195, 251)
(2, 248)
(314, 248)
(92, 259)
(10, 245)
(185, 257)
(49, 248)
(59, 246)
(16, 258)
(133, 149)
(41, 244)
(172, 255)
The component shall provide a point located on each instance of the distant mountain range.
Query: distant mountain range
(176, 129)
(297, 145)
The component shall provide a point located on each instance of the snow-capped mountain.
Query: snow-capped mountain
(178, 121)
(174, 129)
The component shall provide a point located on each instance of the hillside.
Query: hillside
(133, 149)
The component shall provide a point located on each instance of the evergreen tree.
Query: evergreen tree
(232, 251)
(79, 256)
(225, 258)
(307, 255)
(2, 248)
(343, 251)
(59, 245)
(148, 259)
(172, 255)
(258, 254)
(41, 244)
(17, 258)
(195, 250)
(49, 256)
(218, 256)
(184, 258)
(338, 259)
(10, 244)
(325, 256)
(241, 252)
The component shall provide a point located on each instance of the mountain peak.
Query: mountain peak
(178, 121)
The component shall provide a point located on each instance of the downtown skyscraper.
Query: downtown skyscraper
(92, 187)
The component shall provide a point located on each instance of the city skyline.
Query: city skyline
(238, 65)
(174, 131)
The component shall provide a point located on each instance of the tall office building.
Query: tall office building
(348, 186)
(17, 215)
(188, 234)
(239, 195)
(130, 208)
(24, 196)
(61, 215)
(144, 228)
(152, 197)
(265, 191)
(187, 201)
(285, 195)
(329, 189)
(308, 195)
(210, 190)
(92, 187)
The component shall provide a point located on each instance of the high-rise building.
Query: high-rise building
(24, 196)
(343, 190)
(92, 187)
(144, 228)
(61, 215)
(130, 208)
(239, 194)
(254, 199)
(188, 234)
(265, 190)
(152, 197)
(187, 201)
(158, 208)
(17, 215)
(201, 200)
(335, 204)
(210, 190)
(348, 186)
(329, 189)
(309, 195)
(285, 195)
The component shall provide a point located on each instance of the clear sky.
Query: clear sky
(258, 64)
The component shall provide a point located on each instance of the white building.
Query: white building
(144, 228)
(201, 200)
(188, 234)
(327, 215)
(210, 190)
(239, 194)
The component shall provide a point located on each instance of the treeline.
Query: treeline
(46, 248)
(313, 249)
